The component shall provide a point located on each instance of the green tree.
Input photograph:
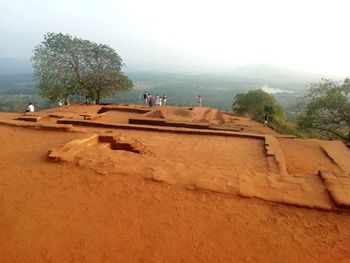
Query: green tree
(67, 66)
(257, 104)
(326, 109)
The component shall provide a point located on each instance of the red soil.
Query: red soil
(311, 158)
(63, 212)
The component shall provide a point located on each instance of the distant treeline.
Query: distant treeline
(217, 91)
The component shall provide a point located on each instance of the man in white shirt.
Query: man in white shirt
(30, 108)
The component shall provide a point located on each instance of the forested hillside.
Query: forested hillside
(217, 91)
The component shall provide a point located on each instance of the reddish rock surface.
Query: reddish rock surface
(168, 194)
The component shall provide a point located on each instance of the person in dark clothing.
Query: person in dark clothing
(150, 103)
(145, 97)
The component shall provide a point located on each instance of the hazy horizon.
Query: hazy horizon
(191, 36)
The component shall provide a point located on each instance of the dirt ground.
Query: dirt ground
(53, 212)
(174, 204)
(312, 159)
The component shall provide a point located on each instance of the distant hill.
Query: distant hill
(264, 72)
(12, 66)
(272, 73)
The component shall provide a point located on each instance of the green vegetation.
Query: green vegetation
(16, 91)
(216, 91)
(259, 105)
(66, 66)
(326, 109)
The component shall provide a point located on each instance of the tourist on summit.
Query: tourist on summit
(145, 97)
(199, 101)
(265, 120)
(150, 100)
(30, 108)
(164, 99)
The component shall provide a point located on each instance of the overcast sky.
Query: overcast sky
(305, 35)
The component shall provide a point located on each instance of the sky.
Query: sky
(191, 35)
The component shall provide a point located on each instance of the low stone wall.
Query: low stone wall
(180, 130)
(338, 187)
(275, 156)
(39, 126)
(162, 122)
(29, 118)
(113, 108)
(144, 121)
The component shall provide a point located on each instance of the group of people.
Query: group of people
(158, 100)
(162, 100)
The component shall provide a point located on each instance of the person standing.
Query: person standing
(164, 99)
(265, 120)
(145, 97)
(150, 100)
(199, 101)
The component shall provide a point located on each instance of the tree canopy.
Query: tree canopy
(67, 66)
(327, 109)
(257, 104)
